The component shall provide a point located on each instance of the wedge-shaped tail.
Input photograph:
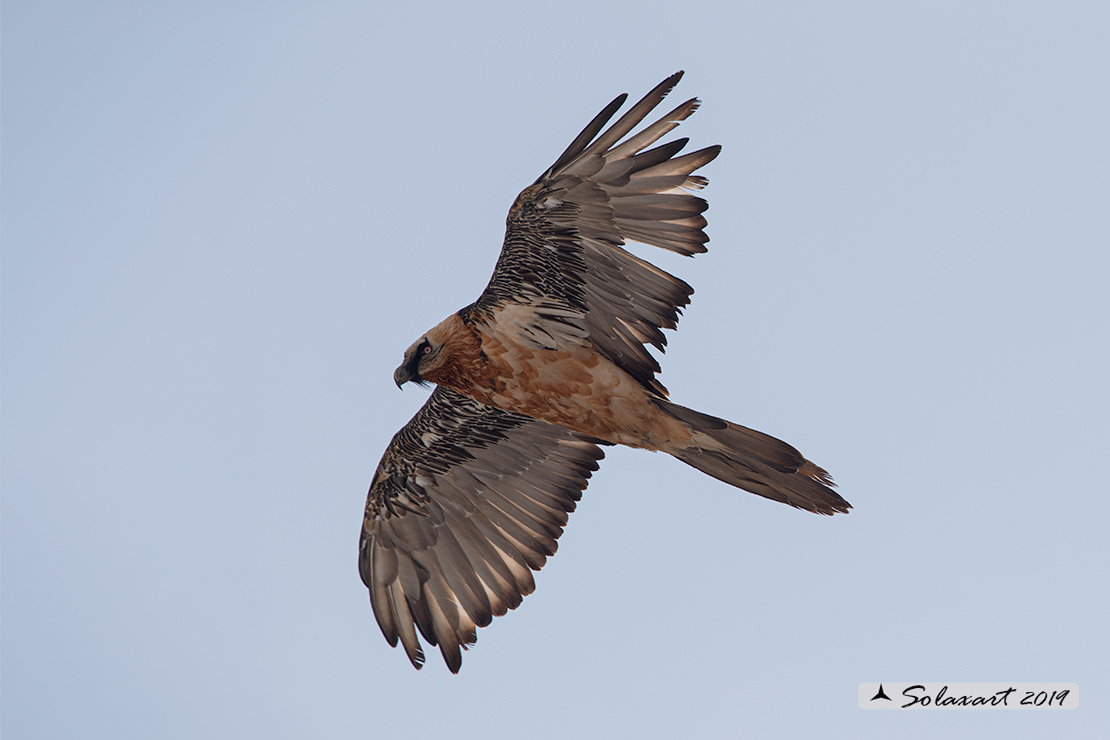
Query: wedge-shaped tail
(756, 462)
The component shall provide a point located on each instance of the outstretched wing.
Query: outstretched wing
(562, 257)
(467, 501)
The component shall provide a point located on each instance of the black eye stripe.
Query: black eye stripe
(413, 363)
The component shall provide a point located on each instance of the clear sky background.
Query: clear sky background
(224, 222)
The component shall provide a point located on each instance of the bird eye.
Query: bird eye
(427, 349)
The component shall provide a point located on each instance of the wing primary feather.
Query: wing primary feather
(685, 164)
(403, 618)
(583, 139)
(655, 131)
(635, 114)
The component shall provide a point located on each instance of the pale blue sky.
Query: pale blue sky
(224, 222)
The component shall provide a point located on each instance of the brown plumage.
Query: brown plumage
(550, 362)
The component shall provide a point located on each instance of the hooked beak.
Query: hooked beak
(402, 375)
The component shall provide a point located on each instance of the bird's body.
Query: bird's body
(572, 385)
(546, 365)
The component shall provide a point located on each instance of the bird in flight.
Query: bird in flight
(548, 365)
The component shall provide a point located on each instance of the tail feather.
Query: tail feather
(756, 462)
